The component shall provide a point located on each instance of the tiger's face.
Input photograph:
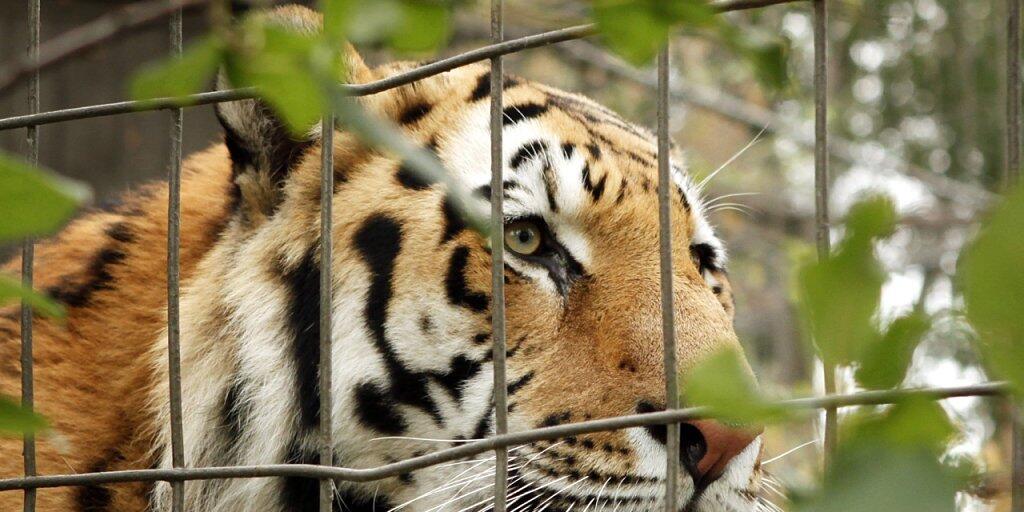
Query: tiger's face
(411, 317)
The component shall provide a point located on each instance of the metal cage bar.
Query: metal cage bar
(27, 257)
(821, 220)
(1013, 92)
(668, 329)
(173, 283)
(326, 300)
(498, 260)
(1011, 176)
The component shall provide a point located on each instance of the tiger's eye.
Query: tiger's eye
(523, 237)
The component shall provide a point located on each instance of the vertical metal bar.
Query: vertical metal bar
(498, 263)
(1011, 177)
(27, 257)
(821, 186)
(1013, 91)
(326, 256)
(668, 329)
(173, 268)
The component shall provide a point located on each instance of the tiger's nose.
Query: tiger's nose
(705, 446)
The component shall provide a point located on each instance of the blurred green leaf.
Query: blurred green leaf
(915, 422)
(337, 14)
(287, 69)
(879, 478)
(11, 289)
(884, 363)
(724, 383)
(16, 420)
(993, 279)
(839, 296)
(410, 26)
(769, 61)
(767, 57)
(869, 219)
(180, 76)
(889, 462)
(637, 29)
(34, 202)
(424, 26)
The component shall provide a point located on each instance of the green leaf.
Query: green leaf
(890, 462)
(870, 218)
(637, 29)
(287, 69)
(913, 423)
(767, 57)
(337, 14)
(884, 363)
(34, 202)
(16, 420)
(12, 289)
(883, 478)
(424, 26)
(839, 296)
(769, 62)
(180, 76)
(993, 282)
(410, 26)
(723, 383)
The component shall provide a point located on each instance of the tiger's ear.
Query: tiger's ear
(261, 147)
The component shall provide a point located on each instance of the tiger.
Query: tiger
(411, 335)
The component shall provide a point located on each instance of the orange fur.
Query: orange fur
(90, 376)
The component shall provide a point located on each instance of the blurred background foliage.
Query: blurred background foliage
(916, 111)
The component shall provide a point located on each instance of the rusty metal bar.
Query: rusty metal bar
(821, 185)
(326, 288)
(668, 329)
(173, 284)
(1011, 178)
(498, 261)
(1013, 95)
(470, 449)
(27, 257)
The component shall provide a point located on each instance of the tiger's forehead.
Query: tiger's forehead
(566, 158)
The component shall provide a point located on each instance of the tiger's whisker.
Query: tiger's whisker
(790, 451)
(708, 178)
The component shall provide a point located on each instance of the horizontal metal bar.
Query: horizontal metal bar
(123, 107)
(484, 445)
(434, 68)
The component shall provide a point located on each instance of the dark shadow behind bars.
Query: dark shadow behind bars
(325, 471)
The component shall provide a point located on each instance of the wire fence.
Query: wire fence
(326, 472)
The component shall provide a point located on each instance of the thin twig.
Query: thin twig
(91, 35)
